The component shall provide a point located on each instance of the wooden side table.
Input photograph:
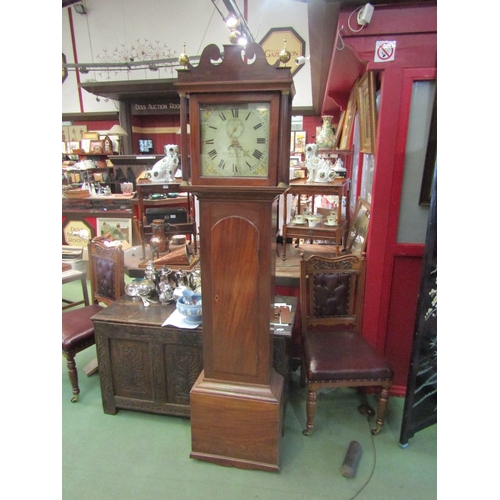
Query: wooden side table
(338, 187)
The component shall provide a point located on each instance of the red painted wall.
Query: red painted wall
(393, 270)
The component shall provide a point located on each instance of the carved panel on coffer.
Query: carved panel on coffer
(184, 364)
(131, 368)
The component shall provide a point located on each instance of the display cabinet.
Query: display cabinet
(339, 187)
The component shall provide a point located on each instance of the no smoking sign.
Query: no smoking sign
(385, 51)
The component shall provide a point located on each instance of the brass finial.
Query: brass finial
(284, 55)
(184, 58)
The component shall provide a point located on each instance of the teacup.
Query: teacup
(313, 220)
(331, 219)
(299, 218)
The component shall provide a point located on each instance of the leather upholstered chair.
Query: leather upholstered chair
(106, 271)
(334, 353)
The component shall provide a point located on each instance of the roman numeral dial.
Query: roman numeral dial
(234, 139)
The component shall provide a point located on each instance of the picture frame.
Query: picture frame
(358, 232)
(65, 133)
(85, 145)
(295, 160)
(300, 141)
(91, 135)
(73, 145)
(120, 229)
(292, 142)
(76, 132)
(96, 147)
(338, 132)
(350, 113)
(367, 113)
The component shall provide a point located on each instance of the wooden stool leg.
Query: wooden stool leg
(383, 401)
(310, 411)
(73, 377)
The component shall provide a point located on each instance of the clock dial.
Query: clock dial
(235, 139)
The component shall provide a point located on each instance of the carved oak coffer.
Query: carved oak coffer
(148, 367)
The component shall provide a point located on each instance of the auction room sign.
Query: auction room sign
(71, 227)
(274, 42)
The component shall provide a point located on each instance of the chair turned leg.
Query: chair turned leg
(383, 401)
(73, 377)
(310, 411)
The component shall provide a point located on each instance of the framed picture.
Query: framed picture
(295, 160)
(367, 113)
(76, 132)
(350, 113)
(96, 146)
(120, 229)
(300, 141)
(85, 145)
(338, 132)
(72, 146)
(91, 135)
(65, 133)
(292, 142)
(358, 232)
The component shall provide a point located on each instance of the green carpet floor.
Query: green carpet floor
(135, 456)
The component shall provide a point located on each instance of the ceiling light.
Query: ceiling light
(242, 40)
(232, 23)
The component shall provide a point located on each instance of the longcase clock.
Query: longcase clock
(239, 114)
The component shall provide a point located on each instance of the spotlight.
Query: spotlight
(232, 23)
(242, 40)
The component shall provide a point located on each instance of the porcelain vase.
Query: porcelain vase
(326, 137)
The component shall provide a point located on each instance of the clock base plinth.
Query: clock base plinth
(237, 425)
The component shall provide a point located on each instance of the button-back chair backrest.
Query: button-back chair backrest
(331, 292)
(106, 271)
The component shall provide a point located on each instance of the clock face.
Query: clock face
(235, 139)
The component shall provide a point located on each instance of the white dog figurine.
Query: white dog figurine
(164, 169)
(318, 169)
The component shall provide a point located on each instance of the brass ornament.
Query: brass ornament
(184, 58)
(284, 55)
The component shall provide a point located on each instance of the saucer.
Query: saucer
(299, 223)
(330, 224)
